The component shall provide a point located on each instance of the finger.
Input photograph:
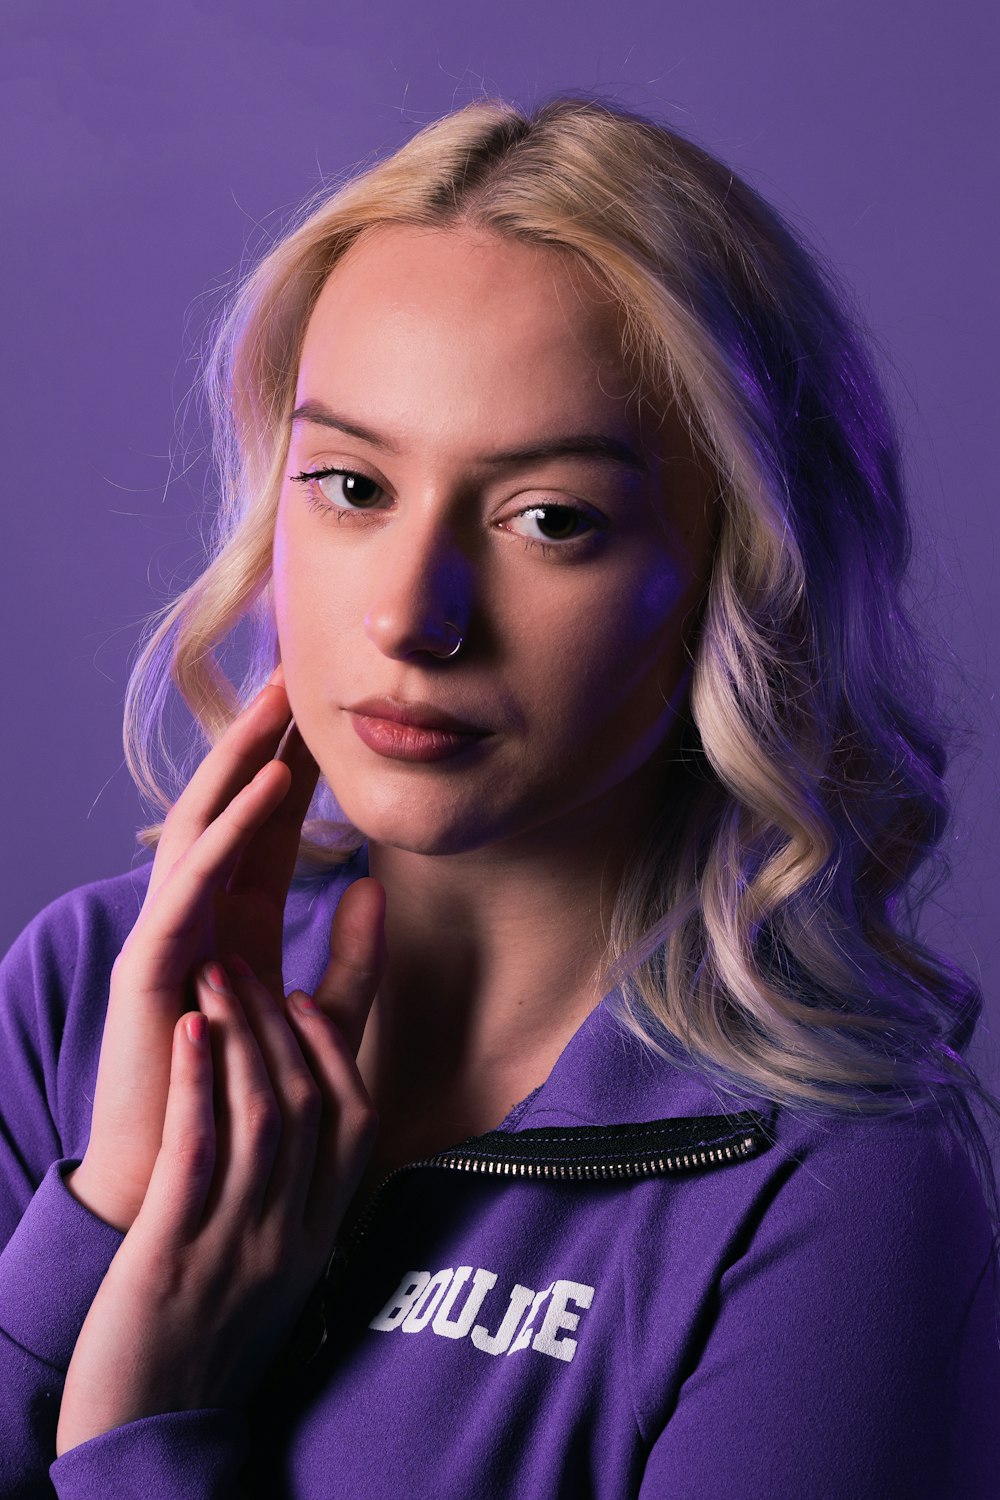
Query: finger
(296, 1090)
(349, 1124)
(267, 861)
(247, 744)
(150, 978)
(156, 955)
(247, 1115)
(182, 1173)
(249, 912)
(357, 960)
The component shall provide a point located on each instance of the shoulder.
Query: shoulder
(881, 1218)
(866, 1178)
(55, 981)
(870, 1255)
(844, 1340)
(72, 940)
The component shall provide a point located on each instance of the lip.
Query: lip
(417, 715)
(399, 741)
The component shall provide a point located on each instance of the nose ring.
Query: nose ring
(447, 655)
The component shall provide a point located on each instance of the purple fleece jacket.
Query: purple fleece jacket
(635, 1286)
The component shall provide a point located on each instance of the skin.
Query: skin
(454, 344)
(225, 1144)
(232, 1143)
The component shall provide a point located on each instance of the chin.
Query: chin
(413, 823)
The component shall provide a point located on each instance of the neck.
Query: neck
(494, 961)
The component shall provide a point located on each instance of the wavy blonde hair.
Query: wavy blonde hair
(763, 934)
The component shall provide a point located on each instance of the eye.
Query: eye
(555, 523)
(336, 486)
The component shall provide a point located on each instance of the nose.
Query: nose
(421, 594)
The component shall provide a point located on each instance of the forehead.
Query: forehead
(476, 321)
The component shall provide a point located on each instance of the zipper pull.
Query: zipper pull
(309, 1334)
(314, 1335)
(336, 1268)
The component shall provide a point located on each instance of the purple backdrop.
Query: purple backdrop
(148, 150)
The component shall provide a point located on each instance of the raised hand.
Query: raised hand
(246, 1195)
(218, 884)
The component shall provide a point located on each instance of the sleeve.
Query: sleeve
(853, 1348)
(183, 1455)
(55, 1253)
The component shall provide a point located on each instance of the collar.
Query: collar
(609, 1100)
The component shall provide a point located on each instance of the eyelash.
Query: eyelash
(308, 477)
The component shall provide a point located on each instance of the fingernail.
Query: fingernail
(277, 677)
(305, 1002)
(215, 975)
(196, 1027)
(240, 966)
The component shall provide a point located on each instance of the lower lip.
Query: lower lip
(408, 742)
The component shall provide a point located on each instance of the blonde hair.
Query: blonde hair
(762, 935)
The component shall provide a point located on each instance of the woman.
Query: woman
(614, 1137)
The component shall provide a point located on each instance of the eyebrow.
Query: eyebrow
(590, 445)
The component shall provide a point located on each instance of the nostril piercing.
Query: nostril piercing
(458, 642)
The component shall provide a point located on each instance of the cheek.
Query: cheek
(309, 610)
(628, 640)
(618, 681)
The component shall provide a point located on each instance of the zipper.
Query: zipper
(582, 1153)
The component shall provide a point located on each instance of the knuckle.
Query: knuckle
(337, 1042)
(360, 1119)
(185, 930)
(120, 967)
(262, 1119)
(355, 963)
(128, 956)
(173, 822)
(305, 1103)
(274, 1256)
(194, 1153)
(166, 1279)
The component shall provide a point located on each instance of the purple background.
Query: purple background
(149, 150)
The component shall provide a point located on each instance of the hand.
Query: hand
(218, 884)
(245, 1198)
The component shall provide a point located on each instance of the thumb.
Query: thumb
(183, 1170)
(357, 959)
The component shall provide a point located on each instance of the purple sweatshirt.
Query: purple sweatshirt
(634, 1286)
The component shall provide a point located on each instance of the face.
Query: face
(571, 576)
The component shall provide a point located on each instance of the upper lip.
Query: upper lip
(422, 715)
